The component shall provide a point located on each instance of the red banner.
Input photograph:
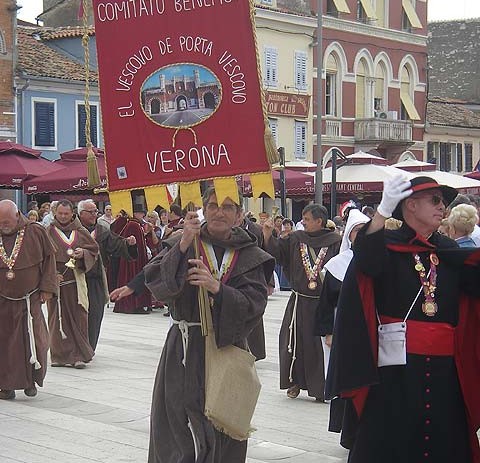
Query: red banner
(180, 91)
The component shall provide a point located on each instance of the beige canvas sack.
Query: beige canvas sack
(232, 387)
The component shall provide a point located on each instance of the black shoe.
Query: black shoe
(7, 394)
(30, 391)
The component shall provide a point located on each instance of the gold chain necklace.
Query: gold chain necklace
(312, 272)
(12, 258)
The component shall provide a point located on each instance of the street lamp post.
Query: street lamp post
(283, 194)
(319, 172)
(333, 185)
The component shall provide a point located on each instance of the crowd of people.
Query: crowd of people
(381, 323)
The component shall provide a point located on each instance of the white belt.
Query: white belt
(184, 327)
(31, 335)
(292, 338)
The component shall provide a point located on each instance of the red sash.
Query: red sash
(427, 338)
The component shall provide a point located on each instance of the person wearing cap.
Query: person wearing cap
(405, 351)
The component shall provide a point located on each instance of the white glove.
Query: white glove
(395, 189)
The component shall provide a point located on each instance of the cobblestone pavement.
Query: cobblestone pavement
(101, 414)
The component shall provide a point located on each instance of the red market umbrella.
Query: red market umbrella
(72, 175)
(296, 184)
(9, 147)
(475, 174)
(20, 163)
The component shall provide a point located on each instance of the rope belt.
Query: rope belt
(59, 299)
(31, 335)
(184, 327)
(292, 348)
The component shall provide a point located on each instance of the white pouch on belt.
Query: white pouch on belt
(392, 344)
(392, 339)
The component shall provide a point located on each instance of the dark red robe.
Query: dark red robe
(127, 269)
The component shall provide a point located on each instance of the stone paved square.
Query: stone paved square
(101, 414)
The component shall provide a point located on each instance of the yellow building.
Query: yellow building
(285, 35)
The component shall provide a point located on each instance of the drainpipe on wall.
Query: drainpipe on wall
(20, 198)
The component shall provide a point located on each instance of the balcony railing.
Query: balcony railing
(383, 130)
(333, 128)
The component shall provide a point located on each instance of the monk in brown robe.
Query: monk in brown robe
(302, 255)
(27, 279)
(180, 432)
(111, 245)
(76, 254)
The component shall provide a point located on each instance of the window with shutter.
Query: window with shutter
(301, 70)
(81, 119)
(445, 157)
(271, 59)
(300, 140)
(3, 45)
(44, 123)
(468, 157)
(274, 128)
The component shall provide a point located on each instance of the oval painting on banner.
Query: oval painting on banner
(181, 95)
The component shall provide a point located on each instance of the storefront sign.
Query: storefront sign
(287, 104)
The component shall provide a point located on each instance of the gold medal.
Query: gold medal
(434, 259)
(312, 285)
(10, 275)
(419, 267)
(429, 308)
(70, 252)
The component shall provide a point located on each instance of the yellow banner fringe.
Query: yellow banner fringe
(156, 196)
(226, 187)
(262, 183)
(190, 192)
(121, 200)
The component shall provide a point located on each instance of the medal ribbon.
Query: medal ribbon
(68, 241)
(229, 258)
(10, 260)
(429, 283)
(312, 272)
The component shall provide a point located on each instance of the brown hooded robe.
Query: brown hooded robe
(75, 347)
(298, 340)
(34, 269)
(179, 428)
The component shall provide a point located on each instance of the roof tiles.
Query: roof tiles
(37, 59)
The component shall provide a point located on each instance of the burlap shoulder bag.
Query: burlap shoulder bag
(232, 387)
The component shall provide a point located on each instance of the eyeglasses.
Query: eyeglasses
(94, 212)
(434, 199)
(227, 208)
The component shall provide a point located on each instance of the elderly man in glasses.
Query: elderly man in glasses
(111, 245)
(405, 344)
(234, 271)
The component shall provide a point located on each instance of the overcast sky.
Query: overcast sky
(437, 9)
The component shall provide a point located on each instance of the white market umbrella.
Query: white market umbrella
(419, 168)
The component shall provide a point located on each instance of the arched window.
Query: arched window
(407, 96)
(380, 98)
(332, 82)
(361, 90)
(3, 45)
